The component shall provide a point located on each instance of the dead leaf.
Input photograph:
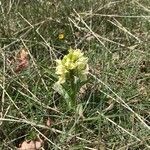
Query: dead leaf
(22, 60)
(31, 145)
(22, 54)
(26, 145)
(22, 65)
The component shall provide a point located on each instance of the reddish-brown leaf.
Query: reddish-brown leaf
(22, 60)
(31, 145)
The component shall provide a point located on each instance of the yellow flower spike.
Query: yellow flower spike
(72, 64)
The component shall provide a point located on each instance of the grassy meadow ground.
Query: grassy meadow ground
(114, 35)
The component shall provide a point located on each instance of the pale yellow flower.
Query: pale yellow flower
(74, 64)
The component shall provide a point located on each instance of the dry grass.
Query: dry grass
(116, 101)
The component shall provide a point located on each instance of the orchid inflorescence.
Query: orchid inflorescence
(74, 64)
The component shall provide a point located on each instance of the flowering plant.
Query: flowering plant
(72, 70)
